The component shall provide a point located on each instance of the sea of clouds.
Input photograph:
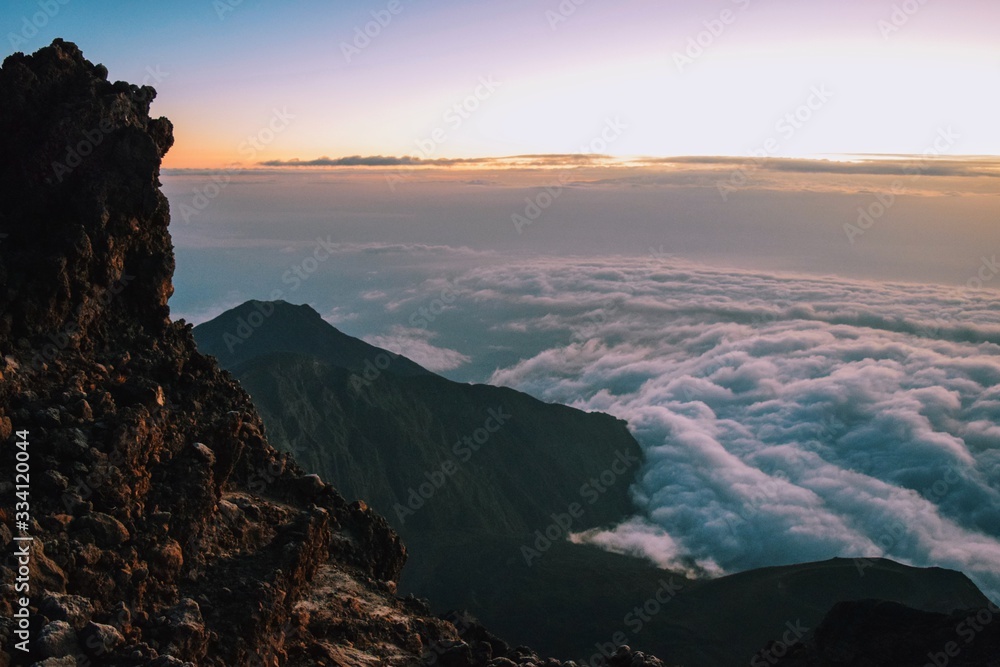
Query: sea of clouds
(785, 418)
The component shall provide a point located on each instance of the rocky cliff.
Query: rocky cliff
(160, 527)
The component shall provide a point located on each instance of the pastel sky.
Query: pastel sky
(864, 76)
(828, 330)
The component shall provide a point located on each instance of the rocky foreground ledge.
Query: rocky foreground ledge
(154, 524)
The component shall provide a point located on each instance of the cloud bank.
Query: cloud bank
(416, 344)
(368, 161)
(541, 160)
(784, 418)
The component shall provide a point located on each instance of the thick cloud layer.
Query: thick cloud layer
(415, 343)
(784, 418)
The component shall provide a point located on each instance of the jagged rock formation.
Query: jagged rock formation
(165, 529)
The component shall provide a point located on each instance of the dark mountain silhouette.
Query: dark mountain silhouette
(259, 328)
(426, 452)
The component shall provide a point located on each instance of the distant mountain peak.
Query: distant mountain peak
(256, 328)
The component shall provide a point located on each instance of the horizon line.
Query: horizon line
(549, 160)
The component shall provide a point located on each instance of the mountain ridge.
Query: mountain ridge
(241, 333)
(383, 433)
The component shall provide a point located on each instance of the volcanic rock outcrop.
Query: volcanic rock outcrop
(164, 529)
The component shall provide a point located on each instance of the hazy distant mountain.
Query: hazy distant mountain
(258, 328)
